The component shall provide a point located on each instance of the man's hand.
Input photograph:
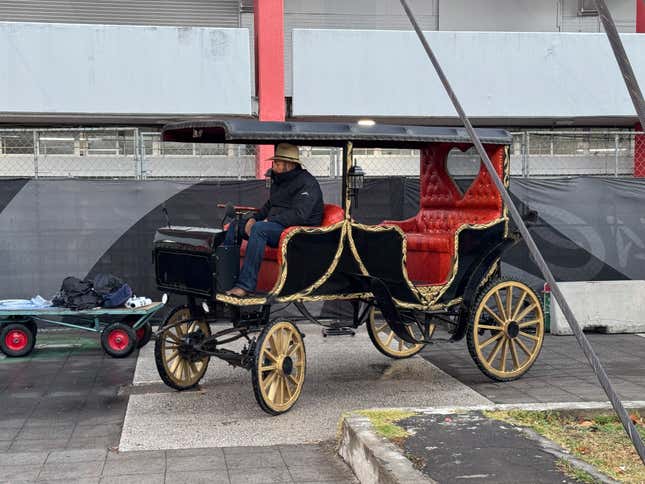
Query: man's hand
(249, 225)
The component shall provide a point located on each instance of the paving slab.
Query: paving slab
(343, 373)
(561, 372)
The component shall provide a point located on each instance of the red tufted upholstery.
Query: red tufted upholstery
(270, 268)
(443, 209)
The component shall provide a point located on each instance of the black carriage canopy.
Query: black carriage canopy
(249, 131)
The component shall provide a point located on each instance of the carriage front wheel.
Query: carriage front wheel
(387, 342)
(278, 371)
(180, 365)
(506, 329)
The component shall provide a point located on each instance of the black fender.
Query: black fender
(474, 282)
(385, 303)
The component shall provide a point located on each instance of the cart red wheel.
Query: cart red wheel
(118, 340)
(17, 339)
(144, 333)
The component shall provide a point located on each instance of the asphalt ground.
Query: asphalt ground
(343, 373)
(471, 447)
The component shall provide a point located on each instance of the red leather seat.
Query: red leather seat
(270, 268)
(443, 209)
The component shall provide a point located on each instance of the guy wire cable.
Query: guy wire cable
(533, 249)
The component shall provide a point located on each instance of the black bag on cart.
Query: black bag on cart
(77, 294)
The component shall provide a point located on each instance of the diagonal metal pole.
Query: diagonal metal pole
(623, 61)
(533, 249)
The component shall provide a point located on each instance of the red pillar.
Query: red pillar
(269, 70)
(639, 149)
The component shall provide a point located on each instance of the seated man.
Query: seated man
(295, 199)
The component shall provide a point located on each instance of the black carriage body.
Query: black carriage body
(192, 262)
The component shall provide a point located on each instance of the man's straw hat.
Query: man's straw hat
(286, 152)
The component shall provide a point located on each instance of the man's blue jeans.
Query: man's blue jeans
(262, 234)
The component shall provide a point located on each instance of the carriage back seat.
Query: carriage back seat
(270, 268)
(443, 209)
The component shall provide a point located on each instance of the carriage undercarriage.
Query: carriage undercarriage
(504, 334)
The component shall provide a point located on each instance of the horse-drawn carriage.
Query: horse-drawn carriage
(402, 278)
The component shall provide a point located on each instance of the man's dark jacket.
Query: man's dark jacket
(295, 199)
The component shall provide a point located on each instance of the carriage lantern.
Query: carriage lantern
(355, 179)
(267, 178)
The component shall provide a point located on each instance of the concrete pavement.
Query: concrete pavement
(343, 373)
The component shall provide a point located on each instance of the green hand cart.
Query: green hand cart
(122, 329)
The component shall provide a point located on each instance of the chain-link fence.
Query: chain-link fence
(571, 153)
(130, 153)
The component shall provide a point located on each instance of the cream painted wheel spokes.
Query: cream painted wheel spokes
(507, 329)
(386, 340)
(279, 367)
(180, 366)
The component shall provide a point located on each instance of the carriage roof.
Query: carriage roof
(248, 131)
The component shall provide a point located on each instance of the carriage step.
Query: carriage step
(338, 331)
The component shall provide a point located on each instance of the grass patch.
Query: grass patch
(384, 423)
(578, 474)
(598, 440)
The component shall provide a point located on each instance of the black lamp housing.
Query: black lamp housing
(267, 178)
(355, 181)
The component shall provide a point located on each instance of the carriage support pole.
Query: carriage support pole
(533, 249)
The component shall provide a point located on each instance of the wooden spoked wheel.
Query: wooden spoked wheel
(386, 340)
(279, 367)
(179, 364)
(506, 329)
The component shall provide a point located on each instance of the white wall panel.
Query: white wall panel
(495, 74)
(67, 68)
(356, 14)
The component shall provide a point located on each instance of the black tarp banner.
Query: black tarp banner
(588, 228)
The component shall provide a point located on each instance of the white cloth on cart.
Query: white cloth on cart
(36, 302)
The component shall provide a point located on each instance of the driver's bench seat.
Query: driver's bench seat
(443, 209)
(270, 268)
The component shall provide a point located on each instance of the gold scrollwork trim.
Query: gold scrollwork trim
(259, 301)
(455, 259)
(404, 248)
(310, 230)
(339, 250)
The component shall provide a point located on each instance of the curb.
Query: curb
(374, 459)
(569, 408)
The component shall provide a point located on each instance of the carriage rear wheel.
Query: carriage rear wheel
(278, 371)
(386, 340)
(179, 364)
(506, 329)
